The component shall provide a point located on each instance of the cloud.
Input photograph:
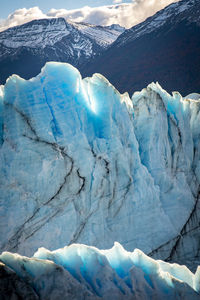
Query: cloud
(21, 16)
(125, 14)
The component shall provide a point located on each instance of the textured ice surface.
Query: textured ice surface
(82, 272)
(82, 163)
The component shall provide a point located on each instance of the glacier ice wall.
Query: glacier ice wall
(82, 272)
(82, 163)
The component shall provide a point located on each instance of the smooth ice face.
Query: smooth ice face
(83, 272)
(82, 163)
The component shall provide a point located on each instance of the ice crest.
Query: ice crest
(85, 272)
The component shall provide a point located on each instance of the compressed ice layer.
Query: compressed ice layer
(82, 163)
(82, 272)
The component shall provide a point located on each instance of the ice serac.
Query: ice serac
(82, 163)
(82, 272)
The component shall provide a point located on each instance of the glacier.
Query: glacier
(81, 163)
(84, 272)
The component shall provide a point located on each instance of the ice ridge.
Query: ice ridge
(82, 272)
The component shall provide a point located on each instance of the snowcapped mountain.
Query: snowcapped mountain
(47, 32)
(185, 10)
(25, 49)
(82, 163)
(164, 48)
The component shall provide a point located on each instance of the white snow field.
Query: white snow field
(81, 163)
(82, 272)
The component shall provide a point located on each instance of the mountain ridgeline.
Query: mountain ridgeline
(164, 48)
(25, 49)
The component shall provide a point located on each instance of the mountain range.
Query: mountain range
(164, 48)
(25, 49)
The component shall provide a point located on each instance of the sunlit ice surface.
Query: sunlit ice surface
(100, 274)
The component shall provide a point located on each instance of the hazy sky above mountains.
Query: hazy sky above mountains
(127, 13)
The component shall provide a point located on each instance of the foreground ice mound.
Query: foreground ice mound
(82, 163)
(82, 272)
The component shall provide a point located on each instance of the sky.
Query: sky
(127, 13)
(9, 6)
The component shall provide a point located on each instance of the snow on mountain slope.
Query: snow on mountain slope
(174, 13)
(103, 35)
(83, 272)
(47, 32)
(163, 48)
(25, 49)
(82, 163)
